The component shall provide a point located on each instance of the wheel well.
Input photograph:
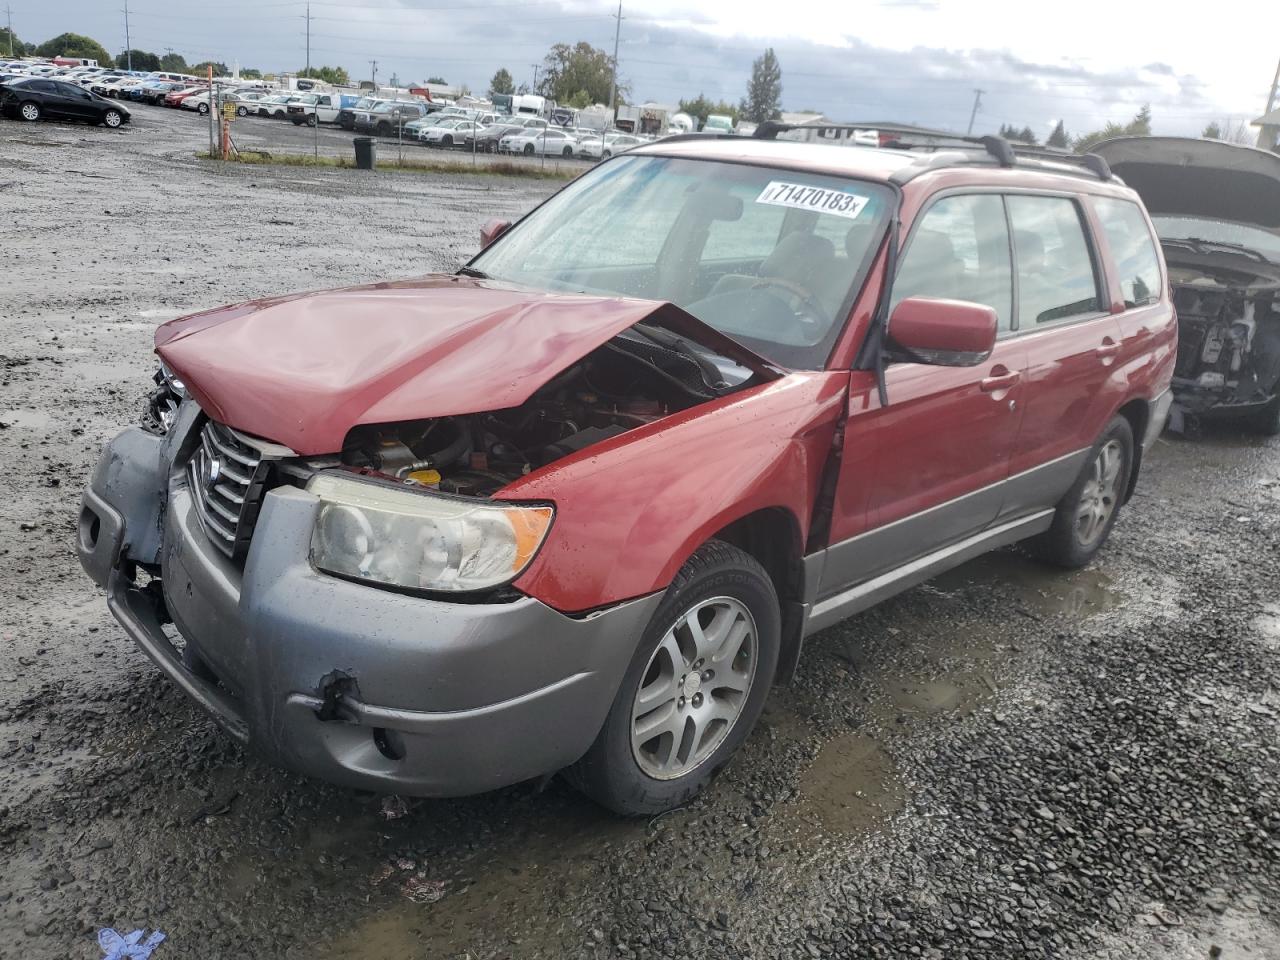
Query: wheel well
(1138, 413)
(772, 537)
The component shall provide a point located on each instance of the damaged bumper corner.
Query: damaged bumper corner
(349, 683)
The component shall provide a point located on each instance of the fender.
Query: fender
(630, 511)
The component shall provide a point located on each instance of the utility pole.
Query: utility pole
(9, 17)
(613, 79)
(535, 76)
(374, 65)
(128, 46)
(1266, 135)
(308, 39)
(977, 101)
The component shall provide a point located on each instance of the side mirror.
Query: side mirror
(492, 230)
(945, 333)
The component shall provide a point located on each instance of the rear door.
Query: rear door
(1072, 342)
(928, 469)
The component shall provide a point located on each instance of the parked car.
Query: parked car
(174, 98)
(591, 146)
(1216, 209)
(449, 133)
(347, 115)
(277, 107)
(318, 107)
(619, 143)
(487, 138)
(694, 407)
(388, 118)
(546, 141)
(38, 98)
(155, 95)
(246, 101)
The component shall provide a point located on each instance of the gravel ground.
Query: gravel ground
(1005, 762)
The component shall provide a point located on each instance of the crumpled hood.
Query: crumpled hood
(1187, 177)
(303, 370)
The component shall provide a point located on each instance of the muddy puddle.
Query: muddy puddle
(851, 787)
(1043, 591)
(429, 907)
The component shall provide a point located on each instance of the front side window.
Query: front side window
(769, 257)
(959, 250)
(1056, 278)
(1132, 249)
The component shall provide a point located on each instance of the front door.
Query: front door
(928, 469)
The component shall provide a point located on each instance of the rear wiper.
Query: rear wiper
(473, 272)
(665, 338)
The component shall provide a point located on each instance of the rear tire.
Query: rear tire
(674, 723)
(1087, 513)
(241, 112)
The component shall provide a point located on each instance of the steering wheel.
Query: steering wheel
(815, 310)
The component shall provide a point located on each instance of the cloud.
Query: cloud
(912, 61)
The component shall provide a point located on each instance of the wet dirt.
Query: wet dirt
(1008, 761)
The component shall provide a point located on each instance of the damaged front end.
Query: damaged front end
(1228, 305)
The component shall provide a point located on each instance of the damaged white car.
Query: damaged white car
(1216, 209)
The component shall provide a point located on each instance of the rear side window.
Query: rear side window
(1132, 248)
(959, 250)
(1056, 279)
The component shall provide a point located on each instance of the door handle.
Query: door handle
(1108, 350)
(998, 381)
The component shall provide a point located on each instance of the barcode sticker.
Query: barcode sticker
(838, 203)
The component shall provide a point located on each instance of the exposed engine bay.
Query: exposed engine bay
(1229, 336)
(639, 376)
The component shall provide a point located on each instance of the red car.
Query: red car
(175, 97)
(578, 506)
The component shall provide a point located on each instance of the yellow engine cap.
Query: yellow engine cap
(430, 478)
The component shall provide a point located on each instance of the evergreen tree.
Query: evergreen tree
(764, 91)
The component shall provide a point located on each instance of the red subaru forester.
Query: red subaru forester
(577, 506)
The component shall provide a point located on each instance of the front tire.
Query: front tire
(1087, 513)
(202, 109)
(311, 121)
(694, 689)
(112, 119)
(30, 111)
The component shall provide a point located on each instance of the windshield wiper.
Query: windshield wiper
(473, 272)
(665, 338)
(1204, 246)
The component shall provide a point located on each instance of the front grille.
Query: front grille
(228, 478)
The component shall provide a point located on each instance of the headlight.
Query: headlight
(422, 541)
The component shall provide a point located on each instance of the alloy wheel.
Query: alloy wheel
(112, 118)
(30, 111)
(694, 688)
(1101, 493)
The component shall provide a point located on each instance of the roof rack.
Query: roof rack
(1005, 153)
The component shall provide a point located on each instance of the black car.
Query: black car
(37, 98)
(487, 140)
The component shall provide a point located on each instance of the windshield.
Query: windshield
(772, 258)
(1219, 231)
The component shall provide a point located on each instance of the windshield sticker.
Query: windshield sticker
(838, 203)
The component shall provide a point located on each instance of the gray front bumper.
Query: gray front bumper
(418, 696)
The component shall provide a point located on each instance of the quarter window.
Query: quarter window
(1056, 279)
(1132, 249)
(959, 250)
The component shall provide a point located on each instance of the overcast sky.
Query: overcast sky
(911, 61)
